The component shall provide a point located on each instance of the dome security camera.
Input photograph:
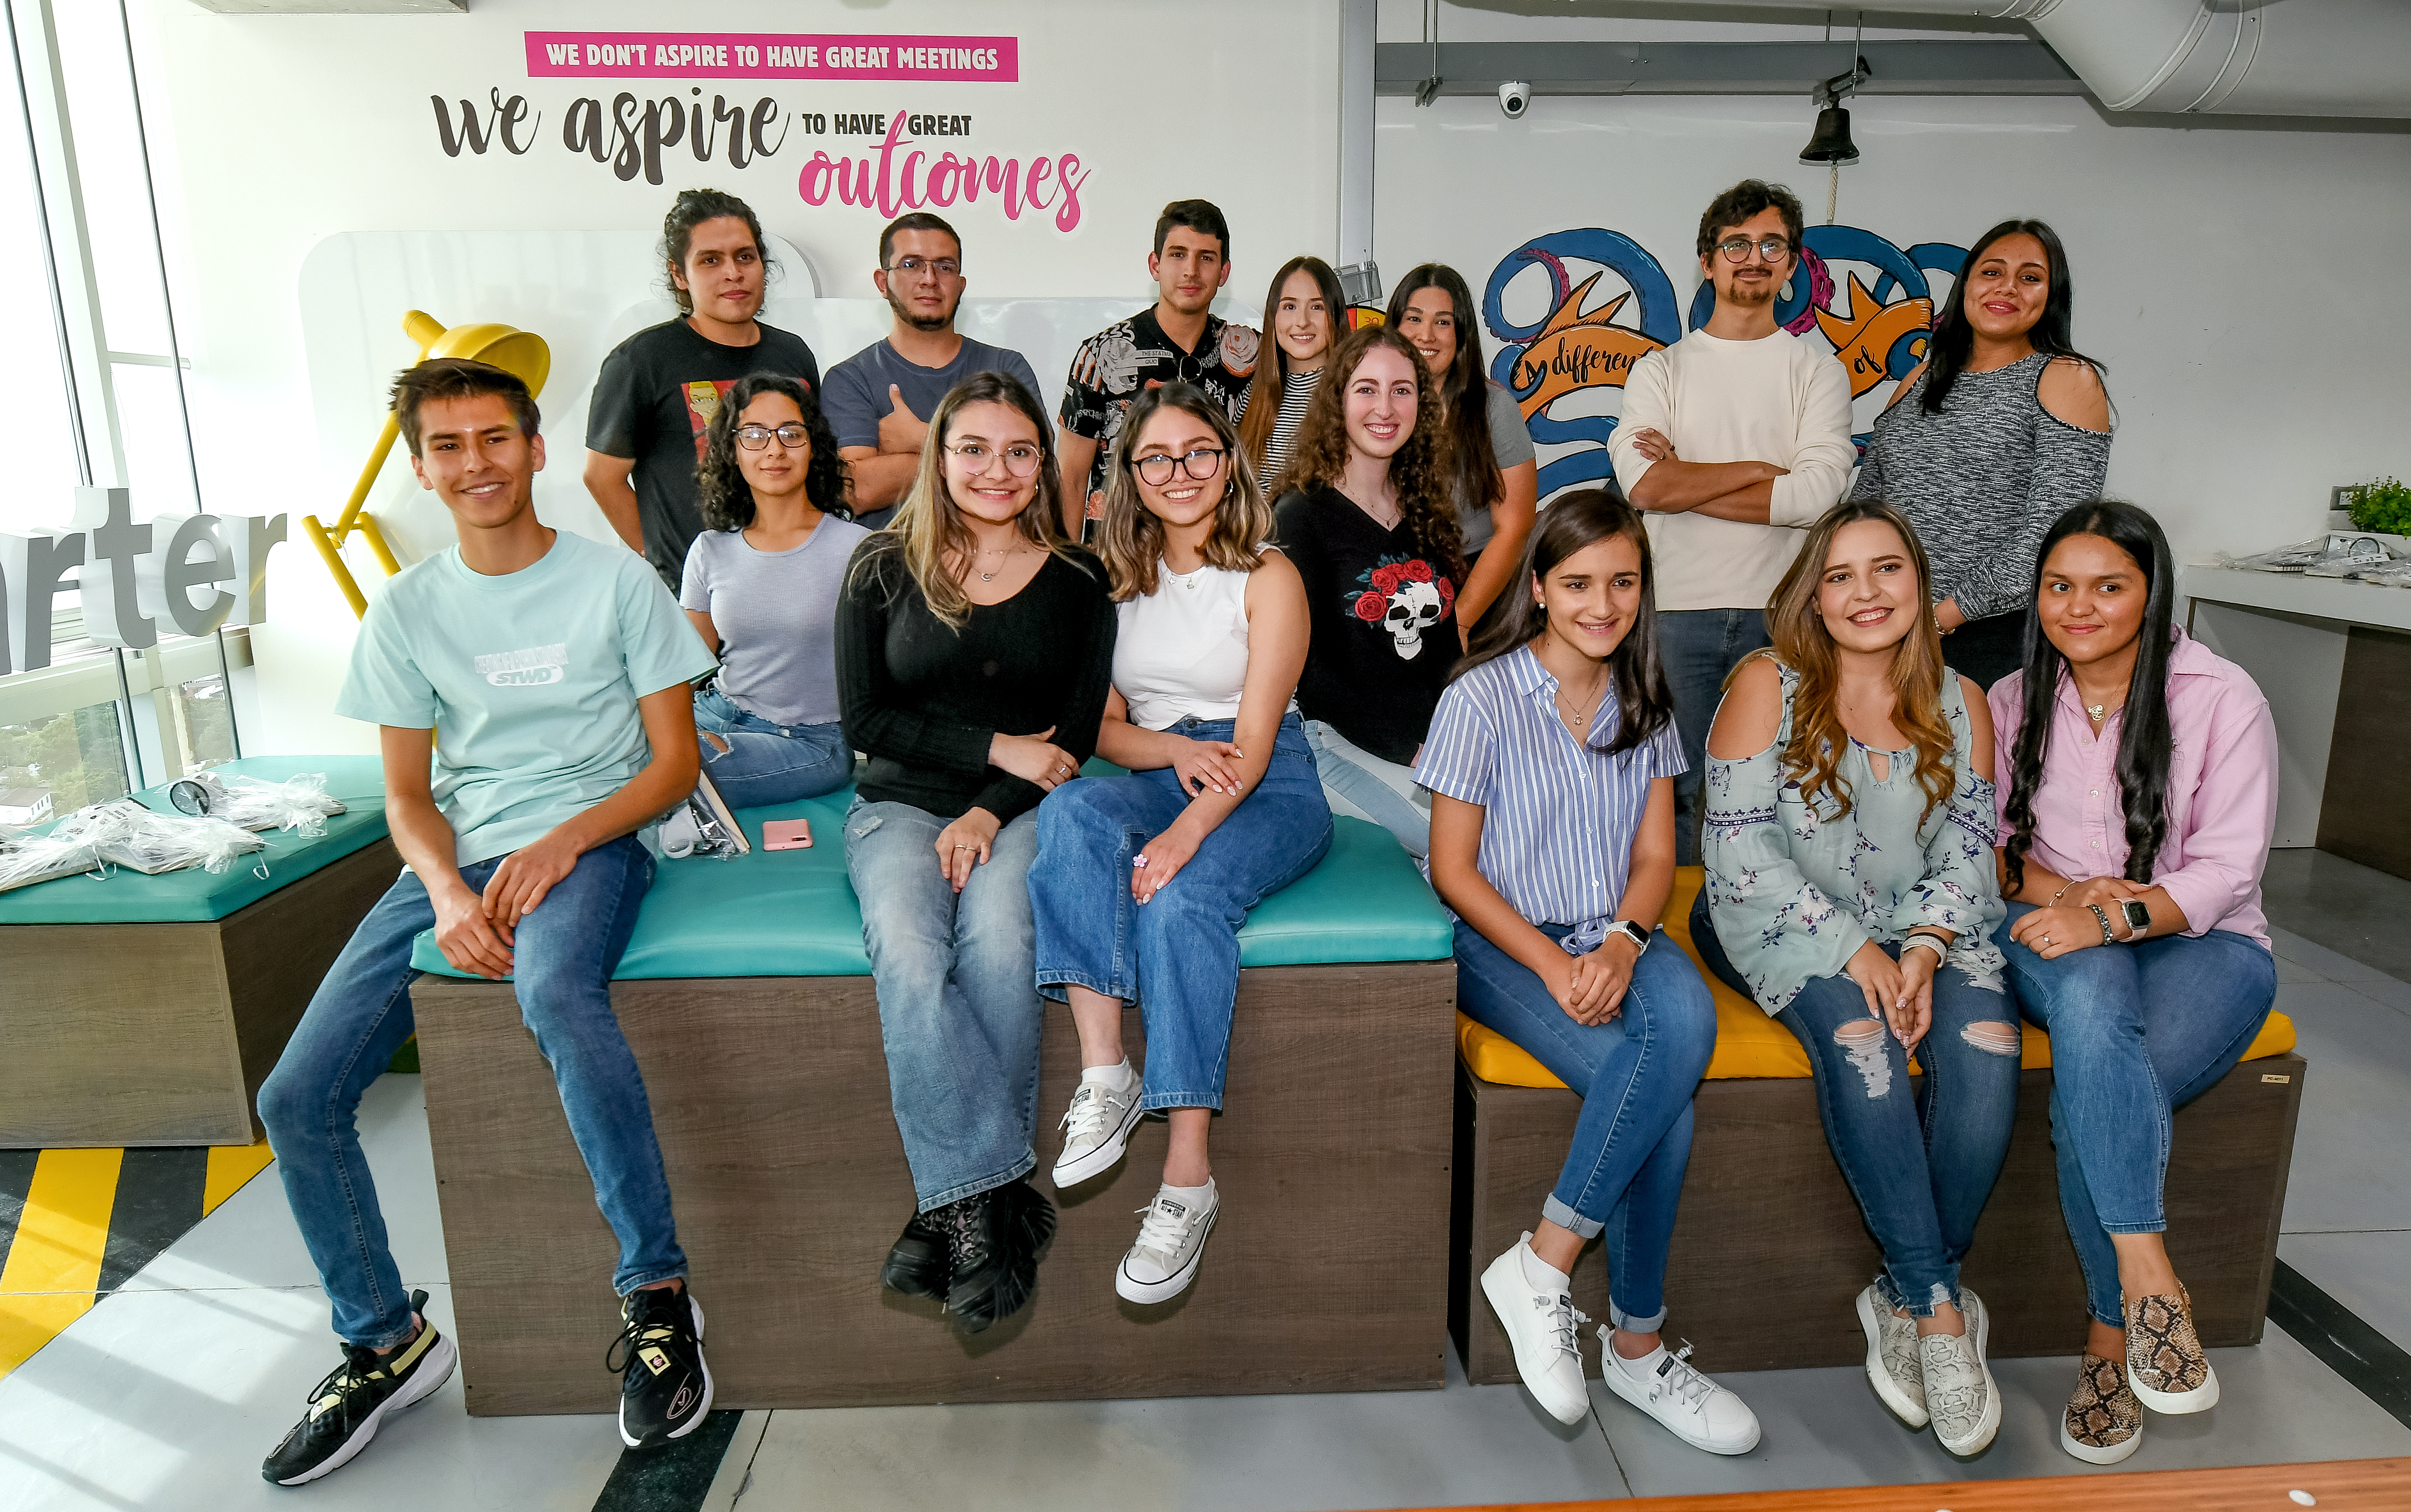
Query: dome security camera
(1515, 98)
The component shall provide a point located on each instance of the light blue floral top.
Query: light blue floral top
(1794, 893)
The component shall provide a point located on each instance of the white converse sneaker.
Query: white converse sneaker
(1959, 1389)
(1692, 1408)
(1543, 1325)
(1098, 1124)
(1892, 1358)
(1170, 1241)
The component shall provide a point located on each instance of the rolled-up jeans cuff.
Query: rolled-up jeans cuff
(1631, 1324)
(1573, 1222)
(652, 1278)
(2157, 1226)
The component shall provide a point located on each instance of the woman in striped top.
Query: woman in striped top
(1303, 312)
(1551, 764)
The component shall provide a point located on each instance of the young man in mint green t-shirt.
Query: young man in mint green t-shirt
(531, 690)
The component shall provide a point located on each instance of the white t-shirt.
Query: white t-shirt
(1774, 400)
(1181, 652)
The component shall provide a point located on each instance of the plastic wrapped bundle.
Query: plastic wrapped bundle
(26, 860)
(125, 833)
(299, 803)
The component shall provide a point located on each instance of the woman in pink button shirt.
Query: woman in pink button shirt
(2139, 787)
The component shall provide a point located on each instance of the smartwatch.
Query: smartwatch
(1639, 936)
(1930, 941)
(2138, 914)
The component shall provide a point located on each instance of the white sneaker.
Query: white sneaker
(1959, 1389)
(1892, 1358)
(1544, 1328)
(1170, 1241)
(1099, 1122)
(1692, 1408)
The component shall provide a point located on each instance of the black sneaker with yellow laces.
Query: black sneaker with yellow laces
(665, 1386)
(357, 1395)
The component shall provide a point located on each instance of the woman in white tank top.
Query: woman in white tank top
(1140, 881)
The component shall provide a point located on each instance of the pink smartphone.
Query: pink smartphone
(787, 834)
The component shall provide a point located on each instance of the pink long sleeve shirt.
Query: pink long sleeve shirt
(2222, 789)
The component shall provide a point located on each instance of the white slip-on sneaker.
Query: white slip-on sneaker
(1097, 1126)
(1892, 1359)
(1544, 1328)
(1692, 1408)
(1170, 1241)
(1959, 1391)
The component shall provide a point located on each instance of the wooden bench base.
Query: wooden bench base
(161, 1033)
(1327, 1272)
(1770, 1247)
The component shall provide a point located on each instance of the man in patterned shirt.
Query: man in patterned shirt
(1177, 340)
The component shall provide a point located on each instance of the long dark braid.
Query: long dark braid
(2145, 739)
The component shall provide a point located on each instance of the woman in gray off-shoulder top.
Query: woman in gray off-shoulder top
(2004, 428)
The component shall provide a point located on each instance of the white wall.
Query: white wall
(273, 133)
(2233, 281)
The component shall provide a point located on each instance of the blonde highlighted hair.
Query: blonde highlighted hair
(1813, 757)
(926, 532)
(1131, 542)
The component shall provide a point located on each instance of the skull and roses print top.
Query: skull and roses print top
(1383, 620)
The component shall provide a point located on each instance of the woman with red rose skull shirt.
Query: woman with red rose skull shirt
(1371, 529)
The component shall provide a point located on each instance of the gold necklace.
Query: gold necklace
(1598, 690)
(1000, 552)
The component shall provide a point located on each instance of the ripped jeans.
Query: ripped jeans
(1920, 1156)
(755, 763)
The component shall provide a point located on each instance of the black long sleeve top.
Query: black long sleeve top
(923, 699)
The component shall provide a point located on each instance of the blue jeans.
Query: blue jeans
(1177, 957)
(1636, 1074)
(1921, 1163)
(1698, 648)
(2137, 1032)
(563, 954)
(1362, 786)
(957, 1011)
(766, 763)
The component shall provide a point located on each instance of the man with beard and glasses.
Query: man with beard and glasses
(1733, 442)
(877, 401)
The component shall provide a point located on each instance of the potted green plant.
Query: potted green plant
(2381, 506)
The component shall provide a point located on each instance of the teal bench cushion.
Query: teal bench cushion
(793, 913)
(196, 896)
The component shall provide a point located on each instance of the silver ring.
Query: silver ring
(2046, 939)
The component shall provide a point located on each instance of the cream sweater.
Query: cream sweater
(1776, 400)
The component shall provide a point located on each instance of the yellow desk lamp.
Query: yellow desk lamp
(521, 353)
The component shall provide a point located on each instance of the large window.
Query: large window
(92, 392)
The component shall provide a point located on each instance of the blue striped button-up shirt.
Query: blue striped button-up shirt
(1557, 839)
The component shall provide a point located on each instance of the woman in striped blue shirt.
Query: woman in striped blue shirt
(1551, 764)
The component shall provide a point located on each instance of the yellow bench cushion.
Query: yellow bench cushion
(1749, 1043)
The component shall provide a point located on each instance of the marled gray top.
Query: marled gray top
(1982, 481)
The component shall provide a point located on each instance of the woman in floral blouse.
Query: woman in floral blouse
(1850, 890)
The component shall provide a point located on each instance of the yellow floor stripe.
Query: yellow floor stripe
(230, 1166)
(54, 1262)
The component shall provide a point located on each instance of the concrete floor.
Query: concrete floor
(168, 1392)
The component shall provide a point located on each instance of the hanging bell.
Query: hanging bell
(1831, 142)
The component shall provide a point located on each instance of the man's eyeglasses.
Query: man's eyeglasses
(793, 435)
(913, 267)
(1199, 466)
(1021, 459)
(1771, 248)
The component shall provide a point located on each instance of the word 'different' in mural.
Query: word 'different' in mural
(1875, 322)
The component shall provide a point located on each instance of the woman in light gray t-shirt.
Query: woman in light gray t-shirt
(760, 586)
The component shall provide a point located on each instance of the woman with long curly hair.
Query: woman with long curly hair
(1372, 527)
(760, 586)
(1143, 880)
(2141, 796)
(1851, 891)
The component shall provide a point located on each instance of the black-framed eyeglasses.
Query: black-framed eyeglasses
(1021, 459)
(1771, 248)
(1199, 466)
(793, 435)
(942, 267)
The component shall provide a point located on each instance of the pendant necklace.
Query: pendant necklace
(990, 577)
(2098, 710)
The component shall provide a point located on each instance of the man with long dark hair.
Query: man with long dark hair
(1732, 441)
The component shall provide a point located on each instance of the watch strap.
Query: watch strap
(1631, 931)
(1931, 941)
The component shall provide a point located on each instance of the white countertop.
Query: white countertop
(2291, 593)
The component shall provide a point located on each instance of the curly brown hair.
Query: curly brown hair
(1421, 471)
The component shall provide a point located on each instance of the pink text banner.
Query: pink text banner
(770, 55)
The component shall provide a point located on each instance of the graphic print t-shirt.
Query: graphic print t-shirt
(657, 392)
(1118, 363)
(1382, 617)
(530, 680)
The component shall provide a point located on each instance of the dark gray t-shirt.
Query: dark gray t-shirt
(776, 612)
(855, 394)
